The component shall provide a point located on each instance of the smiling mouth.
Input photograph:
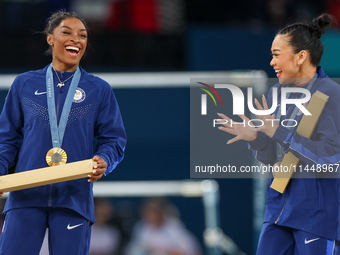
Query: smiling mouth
(72, 50)
(278, 72)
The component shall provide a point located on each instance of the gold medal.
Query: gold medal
(56, 156)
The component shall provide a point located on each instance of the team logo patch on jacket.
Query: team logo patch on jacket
(79, 96)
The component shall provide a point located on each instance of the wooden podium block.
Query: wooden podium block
(305, 128)
(46, 175)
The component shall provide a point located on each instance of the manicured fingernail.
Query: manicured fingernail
(88, 180)
(95, 167)
(94, 171)
(262, 95)
(89, 176)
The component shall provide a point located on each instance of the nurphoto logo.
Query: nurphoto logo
(238, 99)
(238, 103)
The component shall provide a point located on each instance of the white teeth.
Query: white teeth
(72, 48)
(276, 71)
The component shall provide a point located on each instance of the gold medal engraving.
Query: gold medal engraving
(56, 156)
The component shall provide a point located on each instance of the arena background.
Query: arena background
(174, 35)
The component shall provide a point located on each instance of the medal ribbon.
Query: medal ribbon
(279, 152)
(57, 132)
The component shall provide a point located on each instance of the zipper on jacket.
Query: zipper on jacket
(58, 104)
(278, 218)
(284, 204)
(49, 203)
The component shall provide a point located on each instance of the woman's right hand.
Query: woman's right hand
(241, 130)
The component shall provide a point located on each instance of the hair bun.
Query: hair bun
(319, 24)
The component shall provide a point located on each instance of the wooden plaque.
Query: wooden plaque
(305, 128)
(46, 175)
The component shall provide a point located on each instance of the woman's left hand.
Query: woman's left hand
(98, 170)
(269, 123)
(241, 132)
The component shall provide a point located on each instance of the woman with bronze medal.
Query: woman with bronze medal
(52, 116)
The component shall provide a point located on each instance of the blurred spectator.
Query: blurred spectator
(282, 12)
(95, 12)
(132, 15)
(161, 232)
(147, 16)
(334, 9)
(105, 238)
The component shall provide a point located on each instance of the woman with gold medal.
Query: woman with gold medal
(52, 116)
(304, 219)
